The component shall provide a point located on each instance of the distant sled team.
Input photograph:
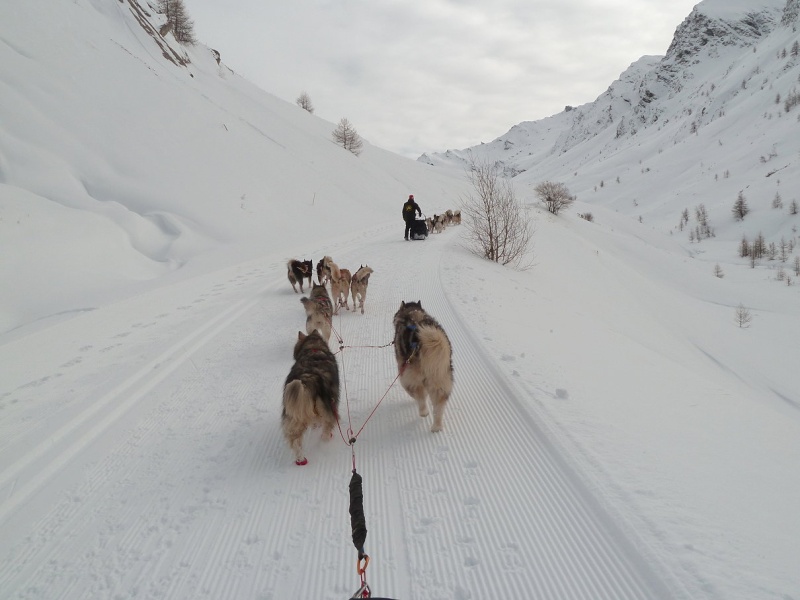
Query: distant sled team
(311, 391)
(438, 223)
(418, 229)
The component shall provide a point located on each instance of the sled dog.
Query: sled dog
(322, 277)
(424, 359)
(319, 311)
(340, 283)
(298, 270)
(310, 393)
(358, 286)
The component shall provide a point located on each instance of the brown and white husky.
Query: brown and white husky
(358, 286)
(340, 283)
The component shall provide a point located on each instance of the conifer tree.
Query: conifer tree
(740, 208)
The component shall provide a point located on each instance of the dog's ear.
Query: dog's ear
(301, 336)
(420, 303)
(402, 304)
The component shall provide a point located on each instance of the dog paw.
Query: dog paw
(301, 461)
(436, 428)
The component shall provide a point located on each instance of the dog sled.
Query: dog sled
(419, 229)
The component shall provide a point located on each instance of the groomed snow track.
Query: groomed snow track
(173, 480)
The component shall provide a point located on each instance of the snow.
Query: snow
(612, 432)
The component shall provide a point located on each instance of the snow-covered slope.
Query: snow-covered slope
(104, 122)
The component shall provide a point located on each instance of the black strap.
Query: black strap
(357, 521)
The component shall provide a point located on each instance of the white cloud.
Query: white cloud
(416, 76)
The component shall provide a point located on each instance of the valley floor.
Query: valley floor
(142, 455)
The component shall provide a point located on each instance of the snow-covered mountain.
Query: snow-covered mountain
(718, 113)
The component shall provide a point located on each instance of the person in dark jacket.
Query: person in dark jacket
(410, 210)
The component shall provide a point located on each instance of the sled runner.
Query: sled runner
(419, 230)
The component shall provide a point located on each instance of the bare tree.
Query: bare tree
(743, 316)
(347, 137)
(178, 20)
(759, 246)
(554, 195)
(718, 271)
(497, 226)
(744, 247)
(304, 102)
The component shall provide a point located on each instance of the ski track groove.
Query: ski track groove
(606, 572)
(434, 531)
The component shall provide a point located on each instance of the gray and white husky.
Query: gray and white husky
(424, 359)
(358, 286)
(319, 311)
(310, 393)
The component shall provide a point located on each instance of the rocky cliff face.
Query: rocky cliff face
(791, 13)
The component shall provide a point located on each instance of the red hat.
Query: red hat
(411, 196)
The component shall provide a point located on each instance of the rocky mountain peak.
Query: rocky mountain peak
(791, 13)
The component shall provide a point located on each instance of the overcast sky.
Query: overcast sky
(415, 76)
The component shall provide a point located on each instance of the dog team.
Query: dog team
(439, 223)
(311, 391)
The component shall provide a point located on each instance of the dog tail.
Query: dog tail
(363, 274)
(436, 356)
(298, 404)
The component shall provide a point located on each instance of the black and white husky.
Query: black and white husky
(310, 393)
(424, 359)
(299, 270)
